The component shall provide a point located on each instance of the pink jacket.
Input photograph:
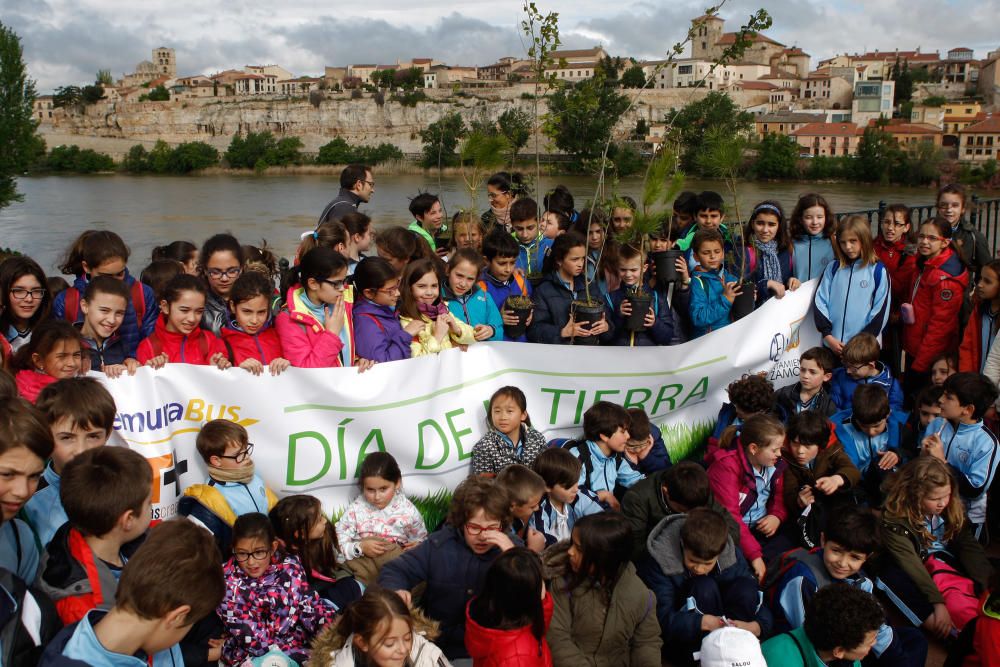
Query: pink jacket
(305, 342)
(732, 482)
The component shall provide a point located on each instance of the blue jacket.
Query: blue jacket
(972, 452)
(852, 299)
(130, 331)
(605, 472)
(709, 308)
(862, 449)
(553, 301)
(18, 549)
(538, 248)
(842, 387)
(658, 457)
(474, 308)
(77, 646)
(664, 573)
(44, 511)
(812, 254)
(662, 332)
(378, 335)
(545, 518)
(498, 290)
(107, 353)
(755, 272)
(454, 575)
(800, 582)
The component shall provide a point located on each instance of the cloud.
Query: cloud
(67, 41)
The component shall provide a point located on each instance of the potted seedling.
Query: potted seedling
(520, 306)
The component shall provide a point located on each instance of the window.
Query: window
(968, 151)
(685, 69)
(703, 46)
(979, 151)
(989, 140)
(979, 140)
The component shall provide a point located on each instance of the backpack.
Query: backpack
(72, 303)
(25, 613)
(583, 453)
(779, 567)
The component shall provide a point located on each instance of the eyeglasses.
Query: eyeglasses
(370, 184)
(893, 223)
(495, 195)
(390, 290)
(336, 284)
(929, 237)
(21, 293)
(234, 272)
(241, 456)
(256, 554)
(475, 529)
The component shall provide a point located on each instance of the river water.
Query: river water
(152, 210)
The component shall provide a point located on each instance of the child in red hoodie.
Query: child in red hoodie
(505, 625)
(250, 338)
(54, 352)
(178, 337)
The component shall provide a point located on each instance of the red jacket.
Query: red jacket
(971, 354)
(305, 342)
(31, 382)
(196, 349)
(732, 481)
(901, 266)
(264, 346)
(508, 648)
(986, 641)
(936, 293)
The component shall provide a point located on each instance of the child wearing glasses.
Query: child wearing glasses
(268, 602)
(380, 336)
(315, 324)
(233, 488)
(24, 300)
(103, 253)
(220, 262)
(896, 249)
(454, 560)
(933, 302)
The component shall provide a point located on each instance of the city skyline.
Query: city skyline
(67, 41)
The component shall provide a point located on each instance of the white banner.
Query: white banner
(312, 427)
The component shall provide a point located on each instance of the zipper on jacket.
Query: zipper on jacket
(256, 341)
(847, 300)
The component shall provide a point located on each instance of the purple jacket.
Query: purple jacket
(378, 335)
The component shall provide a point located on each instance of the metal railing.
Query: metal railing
(984, 214)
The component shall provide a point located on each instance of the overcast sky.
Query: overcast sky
(67, 41)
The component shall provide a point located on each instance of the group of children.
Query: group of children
(596, 550)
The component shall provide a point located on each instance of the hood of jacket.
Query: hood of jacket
(482, 642)
(664, 545)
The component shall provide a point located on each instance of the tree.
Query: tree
(158, 94)
(580, 119)
(441, 139)
(136, 160)
(18, 145)
(877, 155)
(103, 78)
(192, 156)
(690, 125)
(408, 79)
(542, 31)
(609, 68)
(904, 82)
(634, 77)
(245, 152)
(383, 78)
(286, 152)
(91, 94)
(66, 97)
(515, 126)
(777, 157)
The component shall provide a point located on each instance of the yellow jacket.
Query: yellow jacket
(425, 342)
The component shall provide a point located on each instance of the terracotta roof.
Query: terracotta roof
(422, 60)
(826, 130)
(730, 38)
(961, 48)
(786, 117)
(989, 126)
(795, 51)
(902, 127)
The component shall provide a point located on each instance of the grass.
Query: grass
(433, 507)
(686, 441)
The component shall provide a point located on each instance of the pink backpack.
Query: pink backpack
(958, 592)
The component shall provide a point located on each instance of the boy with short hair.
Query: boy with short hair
(645, 448)
(713, 288)
(701, 582)
(525, 488)
(106, 493)
(563, 502)
(172, 581)
(926, 408)
(841, 625)
(605, 470)
(871, 433)
(862, 366)
(233, 487)
(685, 209)
(428, 217)
(533, 245)
(959, 438)
(500, 279)
(81, 414)
(659, 320)
(677, 490)
(850, 539)
(710, 214)
(748, 396)
(816, 366)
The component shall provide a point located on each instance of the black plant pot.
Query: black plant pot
(516, 330)
(535, 279)
(587, 313)
(666, 266)
(640, 307)
(744, 303)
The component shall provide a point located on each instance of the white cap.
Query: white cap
(731, 647)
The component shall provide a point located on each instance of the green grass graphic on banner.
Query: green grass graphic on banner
(686, 441)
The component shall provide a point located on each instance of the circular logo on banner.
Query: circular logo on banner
(777, 346)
